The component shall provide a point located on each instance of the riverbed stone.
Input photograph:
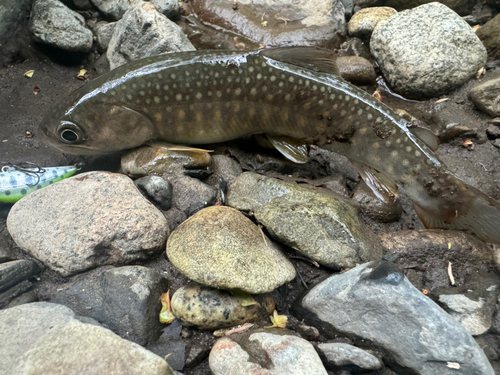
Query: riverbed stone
(427, 51)
(340, 356)
(489, 34)
(209, 308)
(290, 22)
(280, 353)
(462, 7)
(53, 23)
(356, 70)
(363, 22)
(221, 248)
(317, 223)
(143, 32)
(375, 208)
(16, 271)
(47, 338)
(157, 189)
(378, 308)
(89, 220)
(115, 9)
(486, 95)
(123, 299)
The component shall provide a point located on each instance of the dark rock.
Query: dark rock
(310, 333)
(427, 51)
(493, 131)
(53, 23)
(321, 23)
(490, 36)
(196, 354)
(12, 273)
(355, 47)
(158, 189)
(124, 299)
(357, 70)
(486, 95)
(429, 251)
(6, 252)
(171, 346)
(224, 171)
(28, 297)
(378, 308)
(13, 17)
(11, 294)
(190, 195)
(375, 208)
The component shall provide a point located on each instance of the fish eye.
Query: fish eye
(69, 135)
(70, 132)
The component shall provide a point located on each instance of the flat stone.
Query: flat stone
(376, 307)
(486, 95)
(224, 171)
(427, 51)
(292, 22)
(12, 273)
(191, 195)
(107, 222)
(363, 22)
(489, 34)
(47, 338)
(221, 248)
(209, 308)
(143, 32)
(123, 299)
(11, 294)
(272, 352)
(53, 23)
(356, 70)
(159, 190)
(344, 356)
(375, 208)
(319, 224)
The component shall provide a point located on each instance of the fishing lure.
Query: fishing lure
(17, 182)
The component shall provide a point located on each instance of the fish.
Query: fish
(295, 97)
(16, 182)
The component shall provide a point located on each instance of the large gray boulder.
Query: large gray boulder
(46, 338)
(143, 32)
(427, 51)
(378, 308)
(86, 221)
(115, 9)
(53, 23)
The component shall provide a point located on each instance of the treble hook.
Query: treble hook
(36, 171)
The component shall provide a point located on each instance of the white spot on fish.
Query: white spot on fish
(156, 99)
(259, 76)
(394, 154)
(408, 148)
(172, 76)
(253, 91)
(291, 79)
(273, 78)
(142, 93)
(418, 153)
(388, 143)
(360, 112)
(237, 91)
(178, 97)
(369, 116)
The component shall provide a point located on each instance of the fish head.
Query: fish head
(95, 125)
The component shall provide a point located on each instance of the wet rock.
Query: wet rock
(86, 221)
(159, 158)
(6, 253)
(375, 208)
(493, 131)
(12, 273)
(104, 32)
(272, 352)
(82, 4)
(427, 51)
(51, 339)
(490, 36)
(159, 190)
(357, 70)
(334, 183)
(475, 306)
(123, 299)
(378, 308)
(221, 248)
(13, 17)
(143, 32)
(115, 9)
(337, 356)
(486, 96)
(355, 47)
(430, 251)
(28, 297)
(224, 171)
(209, 308)
(196, 354)
(190, 195)
(320, 225)
(53, 23)
(462, 7)
(266, 22)
(363, 22)
(171, 346)
(16, 291)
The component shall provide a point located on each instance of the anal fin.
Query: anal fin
(382, 186)
(291, 148)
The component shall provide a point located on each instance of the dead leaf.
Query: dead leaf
(377, 95)
(245, 299)
(29, 73)
(28, 134)
(480, 72)
(279, 321)
(425, 291)
(82, 75)
(227, 332)
(36, 90)
(264, 23)
(476, 27)
(166, 315)
(441, 100)
(468, 144)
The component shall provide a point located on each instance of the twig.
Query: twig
(450, 274)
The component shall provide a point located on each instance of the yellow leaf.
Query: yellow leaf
(81, 73)
(264, 23)
(279, 321)
(166, 315)
(449, 245)
(245, 299)
(29, 73)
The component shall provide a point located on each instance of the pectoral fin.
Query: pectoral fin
(290, 148)
(382, 186)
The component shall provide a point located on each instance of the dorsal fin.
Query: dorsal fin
(426, 136)
(291, 148)
(316, 59)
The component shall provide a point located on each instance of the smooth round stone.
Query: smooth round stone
(209, 308)
(221, 248)
(361, 25)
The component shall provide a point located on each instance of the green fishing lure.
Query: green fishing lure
(17, 182)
